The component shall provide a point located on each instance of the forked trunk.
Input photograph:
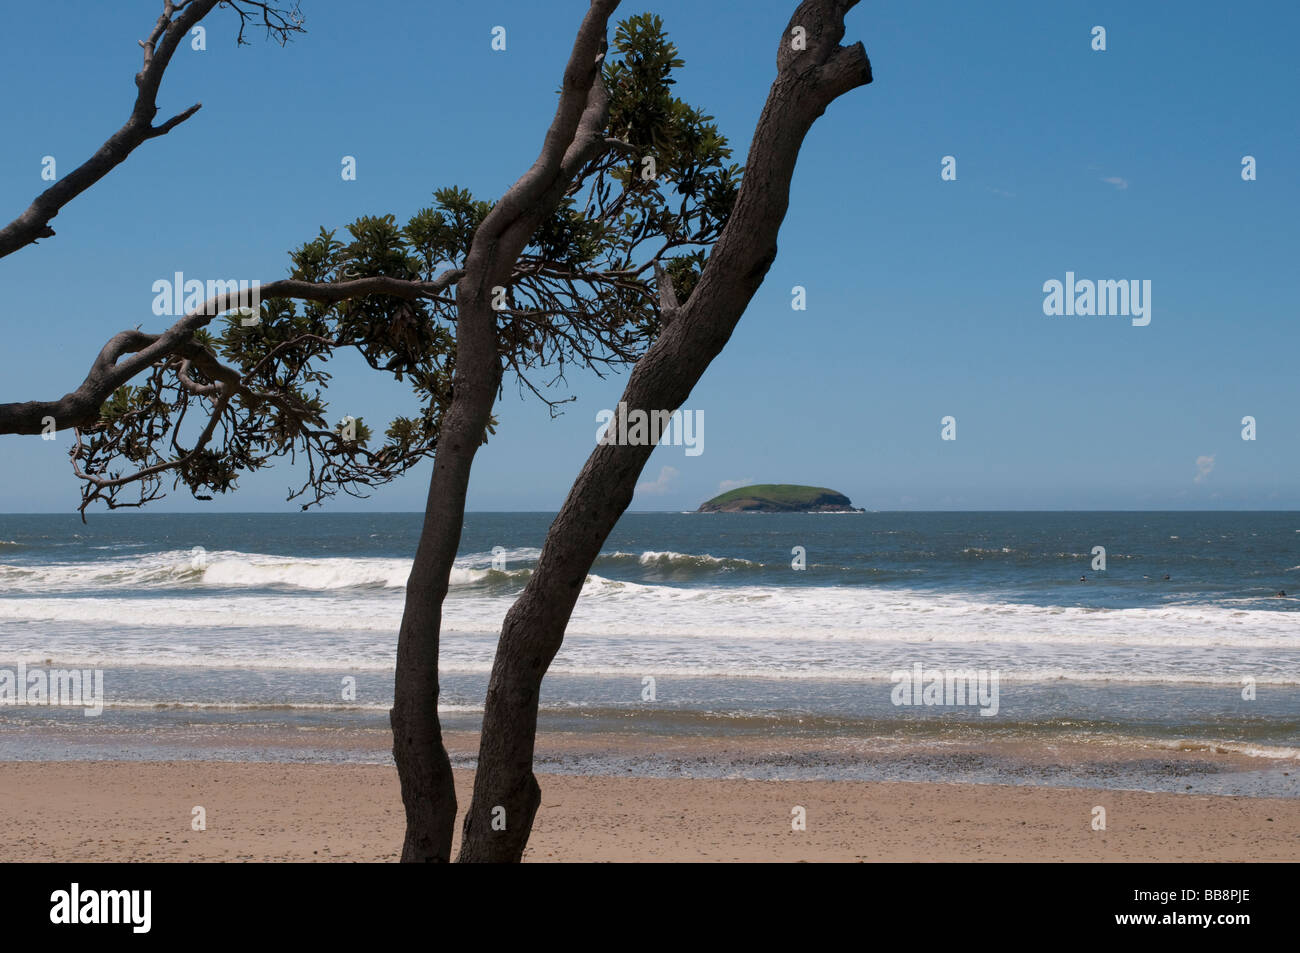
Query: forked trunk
(576, 136)
(812, 71)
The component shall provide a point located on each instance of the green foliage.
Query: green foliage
(688, 150)
(643, 111)
(581, 293)
(445, 232)
(125, 400)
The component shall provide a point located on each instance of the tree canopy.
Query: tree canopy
(235, 396)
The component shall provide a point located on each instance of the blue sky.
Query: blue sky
(924, 297)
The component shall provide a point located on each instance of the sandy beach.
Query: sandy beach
(120, 811)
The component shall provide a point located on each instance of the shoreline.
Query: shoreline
(631, 747)
(141, 811)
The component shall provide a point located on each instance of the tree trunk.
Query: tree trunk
(506, 793)
(505, 790)
(428, 791)
(576, 136)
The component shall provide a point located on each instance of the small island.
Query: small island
(780, 498)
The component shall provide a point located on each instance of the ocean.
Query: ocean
(221, 635)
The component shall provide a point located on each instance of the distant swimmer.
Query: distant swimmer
(1166, 577)
(1083, 579)
(1281, 593)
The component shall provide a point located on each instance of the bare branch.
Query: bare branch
(171, 28)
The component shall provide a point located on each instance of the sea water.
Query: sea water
(688, 625)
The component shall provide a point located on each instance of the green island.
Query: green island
(779, 498)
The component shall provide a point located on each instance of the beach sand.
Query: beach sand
(141, 811)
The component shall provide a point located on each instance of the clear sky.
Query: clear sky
(924, 297)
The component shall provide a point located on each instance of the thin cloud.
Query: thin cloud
(660, 486)
(1115, 180)
(726, 485)
(1203, 467)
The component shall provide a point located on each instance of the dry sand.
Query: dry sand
(123, 811)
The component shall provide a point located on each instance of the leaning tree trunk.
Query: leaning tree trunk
(428, 790)
(574, 138)
(506, 793)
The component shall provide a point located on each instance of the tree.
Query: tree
(572, 264)
(808, 80)
(610, 117)
(557, 271)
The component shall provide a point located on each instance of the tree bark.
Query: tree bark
(428, 791)
(576, 136)
(807, 81)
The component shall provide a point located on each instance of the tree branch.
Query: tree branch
(171, 28)
(81, 406)
(505, 231)
(667, 294)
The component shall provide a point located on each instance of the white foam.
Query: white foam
(193, 569)
(179, 608)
